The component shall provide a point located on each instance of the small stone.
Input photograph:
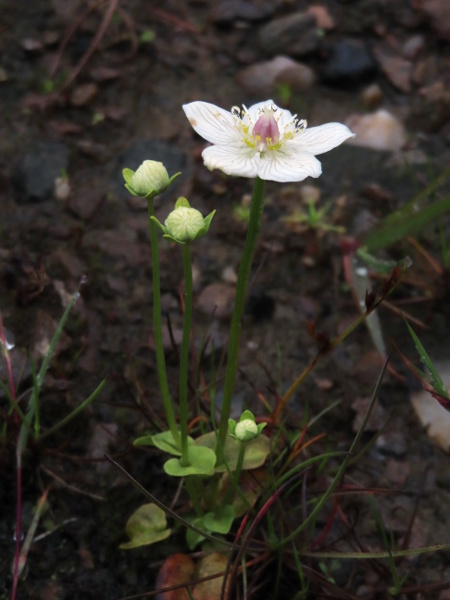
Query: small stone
(392, 444)
(376, 418)
(349, 60)
(309, 193)
(263, 77)
(397, 69)
(322, 15)
(413, 46)
(379, 130)
(294, 35)
(438, 13)
(43, 335)
(228, 11)
(31, 45)
(84, 203)
(372, 96)
(34, 177)
(62, 188)
(84, 94)
(229, 275)
(397, 471)
(217, 300)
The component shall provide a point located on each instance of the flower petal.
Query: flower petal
(231, 161)
(321, 139)
(288, 166)
(212, 123)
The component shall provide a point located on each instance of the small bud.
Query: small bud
(246, 428)
(149, 180)
(185, 224)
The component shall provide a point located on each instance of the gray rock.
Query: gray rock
(34, 177)
(294, 35)
(349, 60)
(262, 78)
(228, 11)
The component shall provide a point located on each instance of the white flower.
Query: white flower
(263, 140)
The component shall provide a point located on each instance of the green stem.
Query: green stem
(184, 358)
(234, 477)
(254, 223)
(157, 327)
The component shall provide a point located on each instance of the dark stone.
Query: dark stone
(34, 177)
(349, 61)
(228, 11)
(294, 35)
(172, 158)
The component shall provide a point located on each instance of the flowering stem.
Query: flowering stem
(234, 478)
(184, 358)
(254, 223)
(157, 327)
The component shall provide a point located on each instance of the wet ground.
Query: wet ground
(75, 110)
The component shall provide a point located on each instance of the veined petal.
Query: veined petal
(321, 139)
(231, 161)
(288, 166)
(212, 123)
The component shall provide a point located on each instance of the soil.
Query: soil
(80, 124)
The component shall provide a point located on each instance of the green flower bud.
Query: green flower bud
(185, 224)
(246, 430)
(149, 180)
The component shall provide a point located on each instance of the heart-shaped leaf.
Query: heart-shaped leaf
(220, 521)
(164, 441)
(256, 451)
(147, 525)
(201, 462)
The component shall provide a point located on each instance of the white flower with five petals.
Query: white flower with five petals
(262, 141)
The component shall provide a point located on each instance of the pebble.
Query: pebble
(262, 78)
(372, 96)
(397, 70)
(322, 15)
(413, 46)
(379, 130)
(217, 300)
(85, 202)
(84, 94)
(229, 11)
(349, 60)
(392, 443)
(34, 176)
(294, 35)
(438, 13)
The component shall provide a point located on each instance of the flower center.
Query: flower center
(265, 130)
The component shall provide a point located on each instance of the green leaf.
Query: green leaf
(193, 538)
(201, 462)
(128, 176)
(409, 219)
(256, 451)
(147, 525)
(434, 377)
(220, 521)
(164, 441)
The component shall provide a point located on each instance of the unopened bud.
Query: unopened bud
(149, 180)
